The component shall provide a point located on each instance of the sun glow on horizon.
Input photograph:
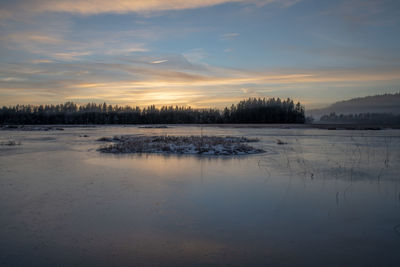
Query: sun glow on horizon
(179, 53)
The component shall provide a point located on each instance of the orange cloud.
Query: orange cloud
(139, 6)
(142, 83)
(27, 37)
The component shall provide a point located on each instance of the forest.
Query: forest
(363, 118)
(251, 110)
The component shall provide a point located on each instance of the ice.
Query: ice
(324, 197)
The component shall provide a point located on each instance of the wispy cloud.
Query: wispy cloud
(126, 49)
(229, 36)
(54, 46)
(158, 61)
(122, 6)
(29, 37)
(195, 55)
(41, 61)
(69, 56)
(54, 51)
(138, 82)
(11, 79)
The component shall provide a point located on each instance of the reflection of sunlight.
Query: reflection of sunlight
(164, 167)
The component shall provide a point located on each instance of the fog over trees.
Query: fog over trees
(252, 110)
(362, 118)
(383, 103)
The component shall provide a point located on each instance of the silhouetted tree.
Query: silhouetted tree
(252, 110)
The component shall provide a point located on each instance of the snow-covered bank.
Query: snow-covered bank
(154, 127)
(30, 128)
(204, 145)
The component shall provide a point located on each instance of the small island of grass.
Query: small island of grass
(203, 145)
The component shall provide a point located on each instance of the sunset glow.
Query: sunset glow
(199, 53)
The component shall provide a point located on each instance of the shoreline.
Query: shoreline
(322, 126)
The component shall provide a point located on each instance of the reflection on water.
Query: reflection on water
(325, 198)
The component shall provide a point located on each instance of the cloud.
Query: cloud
(138, 73)
(138, 82)
(69, 56)
(367, 12)
(41, 61)
(29, 37)
(229, 36)
(158, 61)
(11, 79)
(195, 55)
(5, 14)
(51, 45)
(90, 7)
(126, 49)
(289, 3)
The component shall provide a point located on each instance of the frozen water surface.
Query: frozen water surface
(326, 198)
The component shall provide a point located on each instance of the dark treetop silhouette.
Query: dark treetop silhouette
(252, 110)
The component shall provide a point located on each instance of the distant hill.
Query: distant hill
(386, 103)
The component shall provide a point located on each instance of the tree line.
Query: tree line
(363, 118)
(252, 110)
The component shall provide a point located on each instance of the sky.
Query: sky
(209, 53)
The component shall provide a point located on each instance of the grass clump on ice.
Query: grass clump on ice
(204, 145)
(10, 143)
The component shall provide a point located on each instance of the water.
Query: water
(326, 198)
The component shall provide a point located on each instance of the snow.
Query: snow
(204, 145)
(154, 127)
(30, 128)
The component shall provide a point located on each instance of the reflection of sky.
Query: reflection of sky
(201, 53)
